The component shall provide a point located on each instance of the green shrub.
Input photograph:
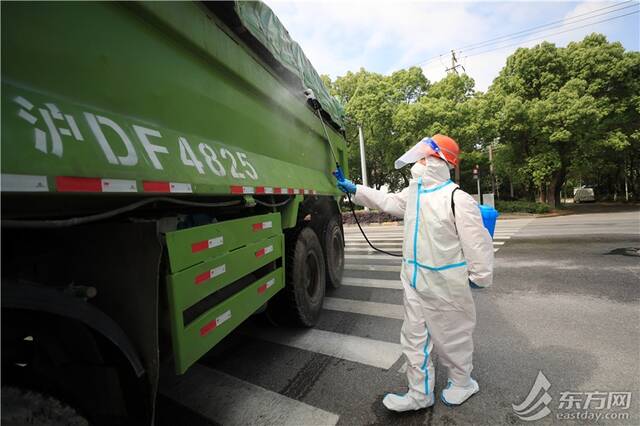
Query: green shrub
(369, 217)
(522, 207)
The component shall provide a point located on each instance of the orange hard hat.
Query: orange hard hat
(449, 148)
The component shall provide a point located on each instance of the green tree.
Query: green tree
(371, 101)
(552, 115)
(559, 109)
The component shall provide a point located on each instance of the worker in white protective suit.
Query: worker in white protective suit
(445, 252)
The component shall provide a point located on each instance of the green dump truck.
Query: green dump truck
(164, 177)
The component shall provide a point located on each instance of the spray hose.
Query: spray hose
(355, 216)
(339, 174)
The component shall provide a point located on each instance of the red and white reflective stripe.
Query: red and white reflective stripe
(33, 183)
(24, 183)
(212, 273)
(242, 189)
(83, 184)
(237, 189)
(172, 187)
(78, 184)
(119, 185)
(207, 244)
(212, 325)
(264, 190)
(262, 225)
(180, 188)
(263, 251)
(266, 285)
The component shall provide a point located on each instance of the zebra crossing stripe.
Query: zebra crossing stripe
(371, 283)
(371, 352)
(376, 309)
(374, 268)
(360, 245)
(374, 239)
(227, 400)
(375, 257)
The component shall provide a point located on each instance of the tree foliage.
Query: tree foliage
(569, 112)
(553, 114)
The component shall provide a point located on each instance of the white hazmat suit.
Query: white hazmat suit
(441, 253)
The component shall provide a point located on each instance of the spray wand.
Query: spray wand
(338, 173)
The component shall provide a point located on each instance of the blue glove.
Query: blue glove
(346, 186)
(474, 285)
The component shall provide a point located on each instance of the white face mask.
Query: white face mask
(418, 170)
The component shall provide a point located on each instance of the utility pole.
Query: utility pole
(454, 64)
(491, 171)
(363, 161)
(476, 176)
(626, 187)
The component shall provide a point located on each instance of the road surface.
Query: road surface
(565, 302)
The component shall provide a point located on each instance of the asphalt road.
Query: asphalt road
(565, 302)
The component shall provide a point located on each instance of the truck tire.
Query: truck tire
(20, 407)
(305, 279)
(333, 245)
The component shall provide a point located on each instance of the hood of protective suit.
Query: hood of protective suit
(433, 172)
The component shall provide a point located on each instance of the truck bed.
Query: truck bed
(140, 99)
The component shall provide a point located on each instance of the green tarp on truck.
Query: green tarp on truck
(267, 29)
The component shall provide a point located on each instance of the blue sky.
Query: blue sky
(384, 36)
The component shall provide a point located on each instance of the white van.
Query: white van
(583, 194)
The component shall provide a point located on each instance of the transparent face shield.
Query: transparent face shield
(423, 149)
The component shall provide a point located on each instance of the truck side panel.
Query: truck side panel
(116, 95)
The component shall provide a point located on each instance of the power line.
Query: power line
(547, 29)
(552, 25)
(549, 35)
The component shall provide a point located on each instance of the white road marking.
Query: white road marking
(372, 257)
(227, 400)
(365, 244)
(382, 239)
(393, 235)
(370, 250)
(371, 352)
(376, 309)
(375, 268)
(371, 283)
(391, 238)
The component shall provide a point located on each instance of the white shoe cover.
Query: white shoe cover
(407, 402)
(456, 395)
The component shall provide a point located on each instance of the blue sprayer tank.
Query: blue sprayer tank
(489, 217)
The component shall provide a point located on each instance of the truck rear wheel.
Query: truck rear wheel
(333, 244)
(306, 277)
